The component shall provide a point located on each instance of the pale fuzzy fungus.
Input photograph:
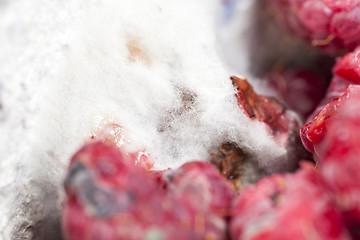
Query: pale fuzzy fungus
(69, 66)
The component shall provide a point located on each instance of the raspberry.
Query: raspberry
(293, 85)
(340, 147)
(340, 160)
(348, 68)
(296, 206)
(333, 25)
(203, 186)
(265, 109)
(198, 183)
(313, 132)
(282, 123)
(108, 197)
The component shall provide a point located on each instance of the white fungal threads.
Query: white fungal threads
(128, 61)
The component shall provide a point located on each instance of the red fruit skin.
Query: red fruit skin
(109, 198)
(335, 90)
(340, 163)
(313, 132)
(347, 67)
(281, 207)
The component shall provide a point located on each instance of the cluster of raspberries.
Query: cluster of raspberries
(322, 203)
(110, 196)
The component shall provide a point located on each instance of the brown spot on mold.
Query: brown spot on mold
(137, 53)
(230, 160)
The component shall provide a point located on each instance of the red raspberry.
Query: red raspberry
(201, 184)
(348, 68)
(313, 132)
(281, 207)
(110, 198)
(282, 123)
(263, 108)
(340, 165)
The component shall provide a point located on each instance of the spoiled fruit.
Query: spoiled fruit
(230, 161)
(263, 108)
(282, 123)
